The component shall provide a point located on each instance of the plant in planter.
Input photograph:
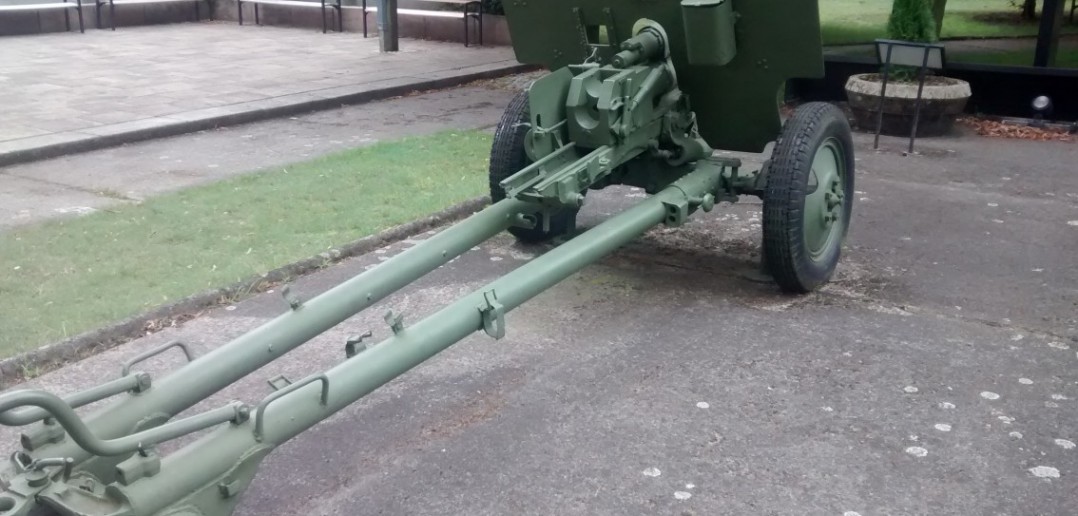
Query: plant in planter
(942, 99)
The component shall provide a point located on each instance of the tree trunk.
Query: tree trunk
(937, 13)
(1029, 10)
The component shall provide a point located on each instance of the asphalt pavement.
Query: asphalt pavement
(934, 376)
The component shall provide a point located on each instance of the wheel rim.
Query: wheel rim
(823, 215)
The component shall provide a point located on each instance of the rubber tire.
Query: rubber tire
(507, 157)
(785, 254)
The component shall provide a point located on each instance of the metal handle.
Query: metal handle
(157, 351)
(135, 382)
(260, 414)
(84, 437)
(68, 464)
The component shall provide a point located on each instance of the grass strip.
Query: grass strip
(63, 277)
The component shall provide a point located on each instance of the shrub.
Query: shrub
(911, 20)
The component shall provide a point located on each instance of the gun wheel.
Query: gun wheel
(507, 157)
(809, 197)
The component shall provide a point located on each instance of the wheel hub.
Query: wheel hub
(825, 200)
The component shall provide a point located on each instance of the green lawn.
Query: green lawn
(861, 21)
(64, 277)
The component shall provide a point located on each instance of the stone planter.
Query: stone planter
(943, 99)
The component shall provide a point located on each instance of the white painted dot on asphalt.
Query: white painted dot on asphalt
(702, 404)
(380, 251)
(1044, 472)
(1072, 222)
(1059, 397)
(1006, 420)
(946, 405)
(690, 486)
(682, 495)
(992, 204)
(495, 258)
(1058, 345)
(827, 409)
(1037, 270)
(943, 427)
(1017, 337)
(917, 451)
(1015, 435)
(652, 472)
(1065, 444)
(230, 308)
(997, 221)
(1025, 381)
(851, 513)
(989, 395)
(910, 389)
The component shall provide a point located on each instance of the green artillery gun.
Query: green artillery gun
(615, 110)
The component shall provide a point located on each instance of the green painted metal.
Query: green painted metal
(776, 40)
(824, 204)
(616, 110)
(212, 372)
(203, 466)
(126, 383)
(710, 26)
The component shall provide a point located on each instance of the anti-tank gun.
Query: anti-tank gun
(623, 116)
(639, 93)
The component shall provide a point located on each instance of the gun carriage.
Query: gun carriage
(640, 93)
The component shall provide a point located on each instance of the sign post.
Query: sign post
(387, 26)
(923, 56)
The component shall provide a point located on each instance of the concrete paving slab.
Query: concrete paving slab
(662, 381)
(146, 82)
(27, 200)
(33, 192)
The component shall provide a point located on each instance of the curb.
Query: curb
(243, 113)
(52, 356)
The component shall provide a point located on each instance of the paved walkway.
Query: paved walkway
(934, 375)
(69, 92)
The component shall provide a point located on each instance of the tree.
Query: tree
(1029, 8)
(938, 7)
(912, 20)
